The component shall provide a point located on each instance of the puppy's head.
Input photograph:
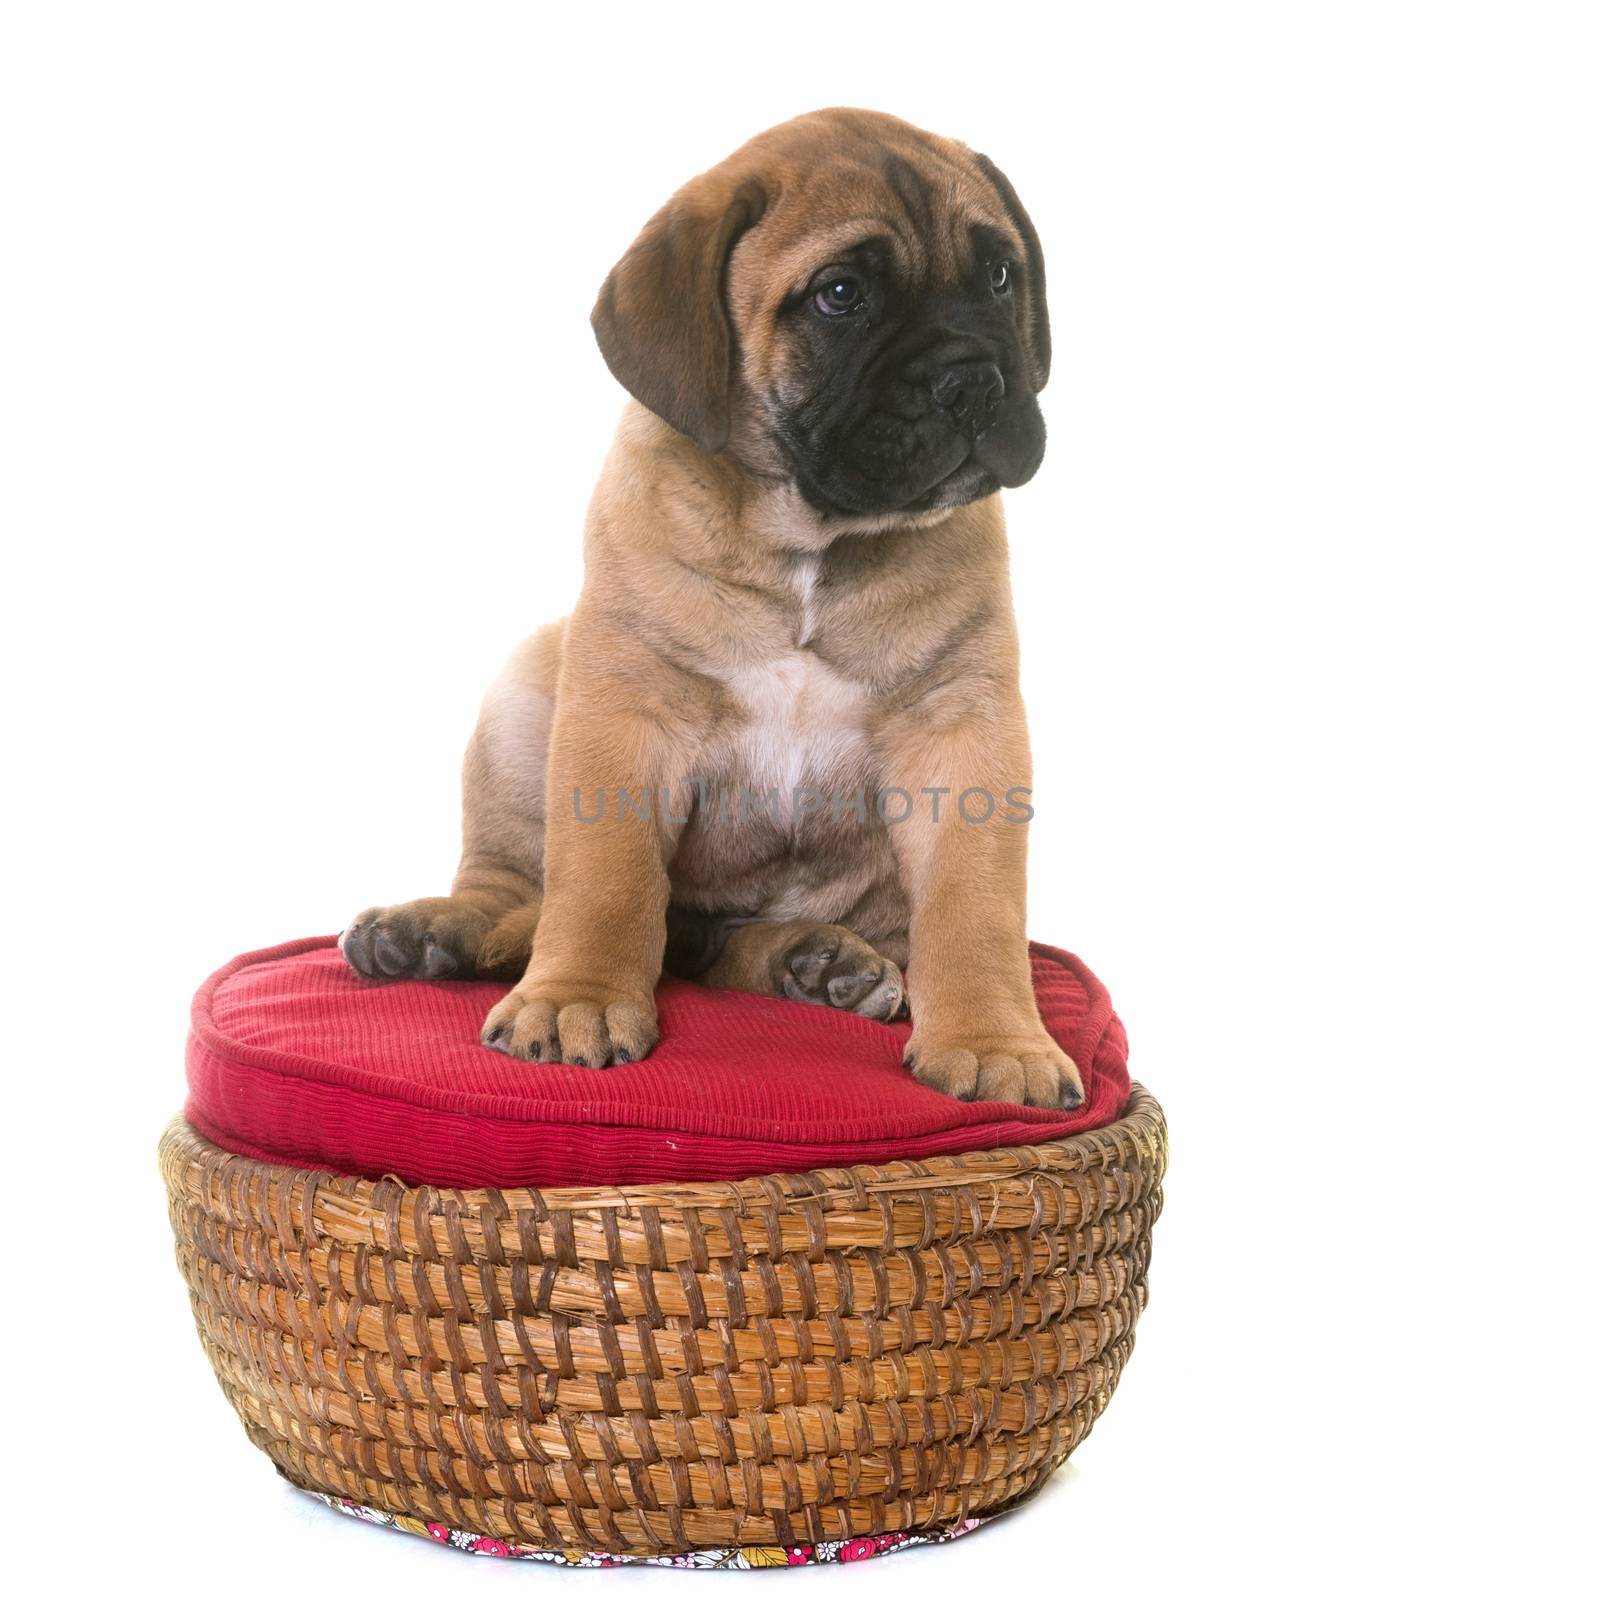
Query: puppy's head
(848, 302)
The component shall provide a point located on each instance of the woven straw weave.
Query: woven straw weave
(641, 1370)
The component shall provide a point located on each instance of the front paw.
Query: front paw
(1027, 1068)
(830, 966)
(582, 1025)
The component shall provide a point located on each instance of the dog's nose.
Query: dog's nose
(970, 390)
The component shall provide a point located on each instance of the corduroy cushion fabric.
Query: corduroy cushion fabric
(293, 1058)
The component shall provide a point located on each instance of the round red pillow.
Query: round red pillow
(293, 1058)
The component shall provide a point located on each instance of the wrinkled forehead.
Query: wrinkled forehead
(925, 213)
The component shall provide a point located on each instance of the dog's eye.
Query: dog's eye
(1000, 277)
(838, 295)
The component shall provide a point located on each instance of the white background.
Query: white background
(300, 414)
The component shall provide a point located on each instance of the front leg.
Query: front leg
(588, 996)
(976, 1029)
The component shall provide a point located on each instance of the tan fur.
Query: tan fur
(728, 632)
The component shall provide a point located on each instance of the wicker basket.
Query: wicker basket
(776, 1362)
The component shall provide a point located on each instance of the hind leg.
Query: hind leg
(484, 927)
(463, 934)
(820, 963)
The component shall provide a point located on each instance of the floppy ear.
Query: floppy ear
(1036, 312)
(661, 319)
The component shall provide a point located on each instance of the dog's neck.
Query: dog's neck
(705, 536)
(762, 573)
(751, 524)
(776, 512)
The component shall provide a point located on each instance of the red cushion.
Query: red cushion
(293, 1058)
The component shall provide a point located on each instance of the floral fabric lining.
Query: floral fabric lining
(737, 1558)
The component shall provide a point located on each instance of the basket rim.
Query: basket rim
(1139, 1134)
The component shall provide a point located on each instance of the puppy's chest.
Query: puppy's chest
(798, 723)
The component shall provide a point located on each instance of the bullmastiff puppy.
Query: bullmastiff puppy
(779, 744)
